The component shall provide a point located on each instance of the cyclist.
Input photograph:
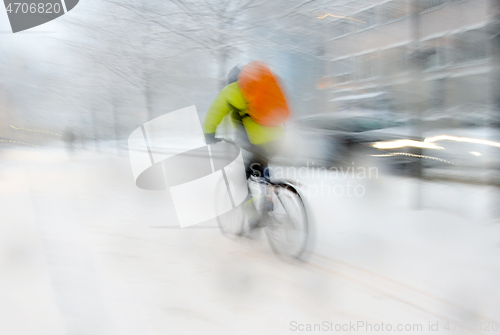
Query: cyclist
(257, 108)
(254, 101)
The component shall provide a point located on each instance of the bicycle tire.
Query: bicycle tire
(231, 222)
(285, 223)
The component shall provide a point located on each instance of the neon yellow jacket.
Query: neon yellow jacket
(230, 99)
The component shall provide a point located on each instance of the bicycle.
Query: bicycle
(279, 202)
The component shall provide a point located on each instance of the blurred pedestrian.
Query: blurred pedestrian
(69, 138)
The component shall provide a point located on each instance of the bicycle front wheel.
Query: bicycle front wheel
(231, 221)
(288, 229)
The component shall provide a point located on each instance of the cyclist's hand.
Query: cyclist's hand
(211, 139)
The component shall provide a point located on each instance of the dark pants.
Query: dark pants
(256, 163)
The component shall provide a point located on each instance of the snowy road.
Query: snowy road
(83, 251)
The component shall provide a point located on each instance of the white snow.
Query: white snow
(84, 251)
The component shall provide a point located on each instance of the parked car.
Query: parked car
(345, 137)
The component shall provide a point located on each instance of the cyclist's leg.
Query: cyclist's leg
(256, 168)
(251, 203)
(258, 164)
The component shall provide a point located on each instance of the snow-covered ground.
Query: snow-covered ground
(84, 251)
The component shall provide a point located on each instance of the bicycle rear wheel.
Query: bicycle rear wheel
(288, 229)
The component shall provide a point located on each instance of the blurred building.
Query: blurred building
(369, 52)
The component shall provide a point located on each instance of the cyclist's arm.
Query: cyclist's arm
(229, 98)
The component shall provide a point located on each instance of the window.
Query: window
(342, 70)
(399, 94)
(392, 11)
(365, 19)
(367, 66)
(394, 61)
(342, 27)
(469, 90)
(437, 94)
(430, 4)
(435, 51)
(470, 46)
